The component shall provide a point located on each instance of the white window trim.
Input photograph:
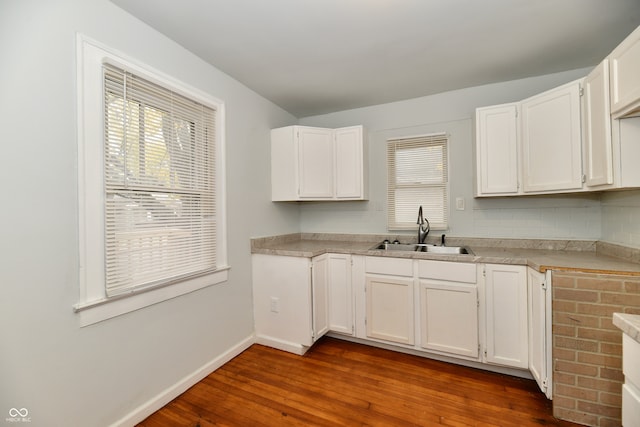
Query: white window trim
(93, 305)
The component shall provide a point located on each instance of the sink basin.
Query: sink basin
(413, 247)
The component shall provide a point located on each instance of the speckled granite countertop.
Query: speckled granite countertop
(564, 255)
(628, 323)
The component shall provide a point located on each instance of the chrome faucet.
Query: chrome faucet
(423, 229)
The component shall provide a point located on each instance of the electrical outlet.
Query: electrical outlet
(460, 203)
(275, 305)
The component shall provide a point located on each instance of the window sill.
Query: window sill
(91, 312)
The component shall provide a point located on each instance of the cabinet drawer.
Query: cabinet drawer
(391, 266)
(630, 406)
(630, 358)
(445, 270)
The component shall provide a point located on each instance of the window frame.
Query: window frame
(93, 304)
(426, 139)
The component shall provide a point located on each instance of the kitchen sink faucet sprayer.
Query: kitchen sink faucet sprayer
(423, 229)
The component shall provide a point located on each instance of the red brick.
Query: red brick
(612, 399)
(564, 330)
(600, 360)
(577, 393)
(564, 354)
(632, 310)
(576, 295)
(610, 348)
(609, 422)
(563, 378)
(576, 320)
(576, 368)
(563, 402)
(632, 287)
(594, 408)
(597, 309)
(563, 282)
(607, 323)
(599, 384)
(612, 374)
(620, 299)
(564, 306)
(574, 416)
(600, 335)
(601, 285)
(576, 344)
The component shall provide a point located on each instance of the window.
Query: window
(417, 176)
(151, 190)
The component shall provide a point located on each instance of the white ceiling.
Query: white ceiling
(318, 56)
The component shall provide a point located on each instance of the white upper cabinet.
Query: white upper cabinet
(315, 160)
(625, 76)
(349, 164)
(551, 140)
(496, 150)
(596, 136)
(309, 163)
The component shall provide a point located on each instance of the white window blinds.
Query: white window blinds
(417, 176)
(159, 172)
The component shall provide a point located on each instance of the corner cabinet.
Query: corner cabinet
(532, 146)
(289, 300)
(310, 163)
(539, 312)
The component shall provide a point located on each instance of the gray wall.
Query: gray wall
(71, 376)
(621, 218)
(553, 217)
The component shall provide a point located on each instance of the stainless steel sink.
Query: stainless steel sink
(413, 247)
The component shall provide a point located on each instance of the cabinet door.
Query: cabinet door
(598, 149)
(506, 315)
(449, 317)
(390, 309)
(496, 150)
(315, 163)
(349, 163)
(625, 78)
(551, 140)
(340, 294)
(319, 286)
(537, 290)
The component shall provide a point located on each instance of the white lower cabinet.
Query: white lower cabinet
(282, 302)
(320, 271)
(389, 289)
(448, 307)
(506, 315)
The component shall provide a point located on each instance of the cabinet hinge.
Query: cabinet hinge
(581, 91)
(484, 272)
(584, 178)
(544, 383)
(543, 285)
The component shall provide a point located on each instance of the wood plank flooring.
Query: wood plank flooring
(339, 383)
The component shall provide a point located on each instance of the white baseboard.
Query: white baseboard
(279, 344)
(157, 402)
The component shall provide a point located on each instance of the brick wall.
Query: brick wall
(587, 347)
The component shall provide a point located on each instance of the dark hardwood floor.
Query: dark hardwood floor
(339, 383)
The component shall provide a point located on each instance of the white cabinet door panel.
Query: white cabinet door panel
(348, 161)
(315, 160)
(597, 144)
(319, 286)
(496, 150)
(506, 315)
(449, 317)
(390, 310)
(625, 78)
(340, 294)
(551, 140)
